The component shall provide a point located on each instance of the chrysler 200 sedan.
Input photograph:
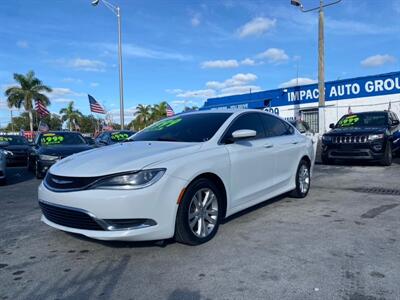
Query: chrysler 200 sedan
(178, 178)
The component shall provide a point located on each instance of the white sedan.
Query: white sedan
(178, 178)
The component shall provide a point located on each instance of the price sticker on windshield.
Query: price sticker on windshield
(5, 139)
(349, 120)
(52, 139)
(164, 124)
(119, 136)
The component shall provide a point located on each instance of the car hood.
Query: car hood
(62, 150)
(17, 148)
(356, 130)
(122, 157)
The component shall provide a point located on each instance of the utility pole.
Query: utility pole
(321, 58)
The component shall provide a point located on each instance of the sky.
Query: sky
(185, 51)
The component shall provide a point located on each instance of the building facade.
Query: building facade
(369, 93)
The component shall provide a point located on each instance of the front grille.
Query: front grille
(69, 217)
(351, 139)
(62, 183)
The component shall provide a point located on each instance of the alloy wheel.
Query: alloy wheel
(304, 178)
(203, 212)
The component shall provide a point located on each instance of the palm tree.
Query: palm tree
(143, 116)
(70, 114)
(159, 111)
(30, 88)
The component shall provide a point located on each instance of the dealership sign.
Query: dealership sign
(353, 88)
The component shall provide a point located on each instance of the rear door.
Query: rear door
(252, 164)
(287, 148)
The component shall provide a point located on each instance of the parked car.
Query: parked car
(89, 140)
(3, 163)
(111, 137)
(179, 178)
(362, 136)
(19, 146)
(50, 147)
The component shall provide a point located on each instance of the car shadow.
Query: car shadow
(254, 208)
(16, 175)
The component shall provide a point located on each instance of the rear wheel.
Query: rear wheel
(199, 213)
(303, 180)
(388, 157)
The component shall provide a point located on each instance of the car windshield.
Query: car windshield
(363, 120)
(197, 127)
(60, 139)
(14, 140)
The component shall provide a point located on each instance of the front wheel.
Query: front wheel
(199, 213)
(303, 180)
(388, 157)
(38, 172)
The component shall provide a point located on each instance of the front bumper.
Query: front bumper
(44, 165)
(370, 151)
(157, 202)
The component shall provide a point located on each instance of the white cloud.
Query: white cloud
(62, 100)
(87, 64)
(73, 80)
(237, 84)
(297, 81)
(201, 94)
(220, 64)
(131, 50)
(94, 84)
(22, 44)
(248, 62)
(274, 55)
(378, 60)
(257, 26)
(195, 20)
(174, 91)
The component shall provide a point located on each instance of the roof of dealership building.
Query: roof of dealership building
(358, 87)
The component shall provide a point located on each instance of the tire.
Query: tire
(325, 160)
(388, 157)
(38, 174)
(303, 180)
(187, 229)
(29, 165)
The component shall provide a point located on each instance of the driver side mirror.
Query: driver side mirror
(332, 126)
(243, 134)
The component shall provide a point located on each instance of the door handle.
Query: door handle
(295, 142)
(268, 145)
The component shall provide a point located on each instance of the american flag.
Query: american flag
(170, 111)
(41, 109)
(95, 106)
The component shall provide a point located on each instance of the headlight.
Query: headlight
(48, 157)
(131, 181)
(373, 137)
(326, 138)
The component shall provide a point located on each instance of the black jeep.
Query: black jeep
(362, 136)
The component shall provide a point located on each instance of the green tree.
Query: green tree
(143, 116)
(29, 88)
(71, 115)
(159, 111)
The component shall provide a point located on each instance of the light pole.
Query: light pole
(321, 57)
(116, 10)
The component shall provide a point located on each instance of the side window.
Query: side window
(105, 137)
(250, 121)
(274, 126)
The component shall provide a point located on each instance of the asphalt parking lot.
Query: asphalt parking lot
(341, 242)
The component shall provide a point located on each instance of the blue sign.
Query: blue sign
(377, 85)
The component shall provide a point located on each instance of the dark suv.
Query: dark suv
(362, 136)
